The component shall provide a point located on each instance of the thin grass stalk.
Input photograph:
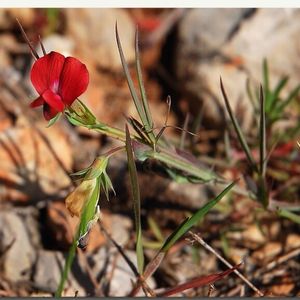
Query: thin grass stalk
(262, 139)
(238, 130)
(136, 202)
(134, 95)
(149, 124)
(67, 266)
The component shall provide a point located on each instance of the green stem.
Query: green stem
(180, 163)
(67, 266)
(109, 131)
(162, 155)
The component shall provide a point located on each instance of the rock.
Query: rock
(47, 275)
(18, 244)
(283, 289)
(234, 48)
(271, 31)
(119, 227)
(268, 251)
(94, 33)
(237, 255)
(118, 281)
(254, 234)
(58, 43)
(29, 170)
(199, 61)
(103, 263)
(8, 17)
(202, 36)
(292, 241)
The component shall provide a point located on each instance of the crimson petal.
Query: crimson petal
(46, 71)
(53, 100)
(37, 102)
(73, 81)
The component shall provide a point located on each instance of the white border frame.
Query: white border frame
(151, 3)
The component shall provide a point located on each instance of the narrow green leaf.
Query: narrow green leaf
(187, 224)
(262, 138)
(81, 172)
(155, 229)
(54, 120)
(291, 96)
(134, 95)
(238, 130)
(67, 266)
(275, 95)
(149, 125)
(250, 95)
(289, 215)
(180, 231)
(136, 202)
(106, 184)
(266, 79)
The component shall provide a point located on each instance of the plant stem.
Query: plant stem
(163, 155)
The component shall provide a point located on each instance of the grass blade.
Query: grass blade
(262, 130)
(67, 266)
(250, 95)
(238, 129)
(266, 84)
(186, 225)
(149, 125)
(281, 84)
(134, 95)
(136, 202)
(178, 233)
(155, 229)
(289, 215)
(291, 96)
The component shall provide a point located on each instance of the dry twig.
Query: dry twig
(209, 248)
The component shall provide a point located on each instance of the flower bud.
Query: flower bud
(76, 201)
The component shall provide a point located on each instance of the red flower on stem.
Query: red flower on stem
(59, 81)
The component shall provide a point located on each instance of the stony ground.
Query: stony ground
(183, 53)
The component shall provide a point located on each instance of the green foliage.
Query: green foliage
(187, 224)
(275, 103)
(136, 202)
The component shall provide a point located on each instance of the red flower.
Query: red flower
(59, 81)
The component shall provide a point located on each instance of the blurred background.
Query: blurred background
(183, 54)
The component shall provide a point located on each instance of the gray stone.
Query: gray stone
(120, 228)
(47, 274)
(94, 34)
(199, 60)
(49, 266)
(203, 31)
(122, 277)
(58, 43)
(19, 253)
(223, 42)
